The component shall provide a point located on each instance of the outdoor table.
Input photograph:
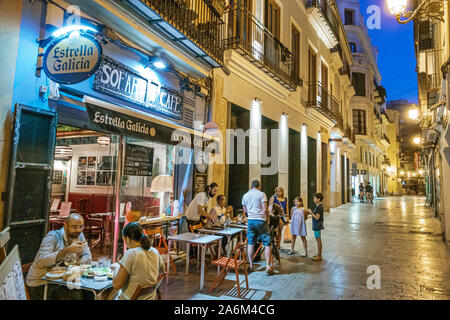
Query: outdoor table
(96, 287)
(228, 232)
(159, 220)
(202, 241)
(237, 225)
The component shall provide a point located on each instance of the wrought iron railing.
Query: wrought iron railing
(348, 133)
(429, 82)
(321, 99)
(248, 35)
(345, 70)
(196, 20)
(327, 13)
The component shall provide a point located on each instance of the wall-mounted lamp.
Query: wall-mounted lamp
(432, 9)
(68, 29)
(258, 100)
(156, 62)
(285, 114)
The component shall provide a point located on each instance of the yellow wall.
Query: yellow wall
(10, 16)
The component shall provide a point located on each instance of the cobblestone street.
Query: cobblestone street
(397, 234)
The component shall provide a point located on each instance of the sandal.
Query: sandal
(317, 258)
(270, 272)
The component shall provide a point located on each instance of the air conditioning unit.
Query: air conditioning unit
(218, 6)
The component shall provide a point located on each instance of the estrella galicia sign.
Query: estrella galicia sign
(72, 58)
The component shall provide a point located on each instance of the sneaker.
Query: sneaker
(304, 255)
(290, 252)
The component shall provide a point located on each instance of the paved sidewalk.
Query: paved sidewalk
(396, 233)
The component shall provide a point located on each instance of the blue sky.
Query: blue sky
(396, 58)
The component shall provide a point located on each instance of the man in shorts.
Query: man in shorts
(254, 204)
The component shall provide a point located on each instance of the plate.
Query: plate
(55, 275)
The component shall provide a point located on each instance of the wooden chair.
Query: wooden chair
(145, 290)
(162, 247)
(93, 226)
(234, 261)
(25, 268)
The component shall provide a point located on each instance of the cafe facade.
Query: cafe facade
(103, 124)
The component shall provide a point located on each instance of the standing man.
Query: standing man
(369, 193)
(361, 192)
(254, 204)
(54, 247)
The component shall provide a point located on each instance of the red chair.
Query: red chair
(93, 226)
(234, 261)
(161, 246)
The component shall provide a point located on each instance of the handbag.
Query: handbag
(287, 234)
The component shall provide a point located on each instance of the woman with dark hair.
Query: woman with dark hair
(141, 264)
(201, 205)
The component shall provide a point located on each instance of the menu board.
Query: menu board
(138, 160)
(12, 284)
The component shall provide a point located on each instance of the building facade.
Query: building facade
(177, 95)
(431, 36)
(366, 104)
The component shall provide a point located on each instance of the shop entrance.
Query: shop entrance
(312, 171)
(269, 182)
(294, 165)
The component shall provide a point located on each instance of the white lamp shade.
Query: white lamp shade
(162, 183)
(397, 7)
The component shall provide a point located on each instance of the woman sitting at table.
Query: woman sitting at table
(141, 264)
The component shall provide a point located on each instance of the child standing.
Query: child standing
(317, 224)
(298, 225)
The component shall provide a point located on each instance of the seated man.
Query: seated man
(221, 212)
(54, 247)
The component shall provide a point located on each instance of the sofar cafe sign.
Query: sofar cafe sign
(115, 79)
(72, 58)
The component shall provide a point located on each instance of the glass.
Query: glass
(71, 259)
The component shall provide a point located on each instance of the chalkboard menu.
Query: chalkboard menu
(138, 160)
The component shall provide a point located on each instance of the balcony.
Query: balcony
(385, 140)
(194, 24)
(429, 82)
(324, 102)
(252, 40)
(349, 134)
(345, 70)
(324, 21)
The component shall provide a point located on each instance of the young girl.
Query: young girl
(298, 225)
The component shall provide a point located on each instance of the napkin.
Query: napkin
(102, 278)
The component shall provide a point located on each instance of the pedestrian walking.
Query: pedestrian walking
(369, 193)
(298, 225)
(361, 192)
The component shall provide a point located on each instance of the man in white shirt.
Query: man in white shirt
(254, 204)
(201, 205)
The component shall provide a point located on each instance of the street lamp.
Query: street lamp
(413, 113)
(417, 140)
(398, 9)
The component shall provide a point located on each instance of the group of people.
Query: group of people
(366, 192)
(143, 265)
(140, 265)
(263, 215)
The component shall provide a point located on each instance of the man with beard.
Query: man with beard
(54, 247)
(201, 205)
